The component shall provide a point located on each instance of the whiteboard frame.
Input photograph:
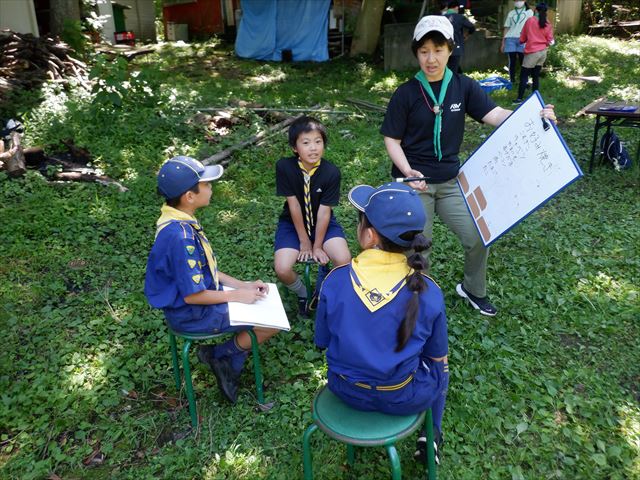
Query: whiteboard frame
(543, 202)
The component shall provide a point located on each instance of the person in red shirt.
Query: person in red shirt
(537, 35)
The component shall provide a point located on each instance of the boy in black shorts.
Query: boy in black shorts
(307, 228)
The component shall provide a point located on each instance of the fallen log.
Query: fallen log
(88, 177)
(366, 104)
(220, 157)
(15, 164)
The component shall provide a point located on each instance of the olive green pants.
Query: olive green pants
(447, 202)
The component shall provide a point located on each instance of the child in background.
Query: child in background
(511, 45)
(381, 320)
(537, 36)
(182, 275)
(307, 228)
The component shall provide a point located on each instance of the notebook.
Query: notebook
(267, 312)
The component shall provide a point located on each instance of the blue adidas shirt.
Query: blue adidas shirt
(361, 344)
(177, 267)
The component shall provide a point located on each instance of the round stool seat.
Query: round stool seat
(355, 427)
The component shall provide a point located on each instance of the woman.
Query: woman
(381, 320)
(511, 45)
(423, 130)
(537, 35)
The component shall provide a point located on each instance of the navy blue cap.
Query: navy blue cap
(392, 209)
(179, 174)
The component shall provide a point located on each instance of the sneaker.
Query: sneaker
(303, 308)
(420, 454)
(517, 101)
(478, 303)
(205, 353)
(227, 377)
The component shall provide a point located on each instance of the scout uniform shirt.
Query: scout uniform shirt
(177, 267)
(358, 318)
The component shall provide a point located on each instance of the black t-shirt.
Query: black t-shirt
(325, 186)
(410, 120)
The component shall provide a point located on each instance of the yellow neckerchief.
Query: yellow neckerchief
(377, 276)
(307, 174)
(169, 214)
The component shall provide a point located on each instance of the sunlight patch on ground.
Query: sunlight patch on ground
(387, 84)
(630, 93)
(365, 71)
(572, 83)
(84, 372)
(233, 464)
(228, 216)
(630, 427)
(603, 284)
(265, 78)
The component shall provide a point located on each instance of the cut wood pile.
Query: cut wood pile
(26, 61)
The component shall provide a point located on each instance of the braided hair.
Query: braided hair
(415, 283)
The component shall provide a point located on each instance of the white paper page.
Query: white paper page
(267, 312)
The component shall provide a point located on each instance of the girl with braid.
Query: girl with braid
(381, 320)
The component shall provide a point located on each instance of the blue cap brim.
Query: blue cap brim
(359, 196)
(211, 173)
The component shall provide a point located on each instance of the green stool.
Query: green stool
(306, 277)
(365, 429)
(189, 338)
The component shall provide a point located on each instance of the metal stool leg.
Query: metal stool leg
(351, 455)
(307, 463)
(174, 359)
(189, 385)
(396, 469)
(307, 280)
(255, 353)
(431, 454)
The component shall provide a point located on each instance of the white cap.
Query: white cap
(439, 23)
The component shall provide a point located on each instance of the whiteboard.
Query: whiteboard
(515, 171)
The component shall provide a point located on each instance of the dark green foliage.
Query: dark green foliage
(550, 388)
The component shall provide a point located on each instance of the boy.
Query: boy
(307, 228)
(183, 278)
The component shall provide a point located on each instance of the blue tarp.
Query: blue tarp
(494, 83)
(268, 27)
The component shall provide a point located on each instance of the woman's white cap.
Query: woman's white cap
(439, 23)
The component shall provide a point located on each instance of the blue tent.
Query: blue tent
(268, 27)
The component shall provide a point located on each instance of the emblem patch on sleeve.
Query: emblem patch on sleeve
(190, 249)
(196, 278)
(192, 263)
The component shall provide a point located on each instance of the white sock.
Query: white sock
(298, 288)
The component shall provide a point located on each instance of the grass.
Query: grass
(550, 388)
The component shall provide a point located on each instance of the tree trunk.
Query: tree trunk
(365, 37)
(61, 10)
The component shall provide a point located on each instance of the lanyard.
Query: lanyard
(437, 106)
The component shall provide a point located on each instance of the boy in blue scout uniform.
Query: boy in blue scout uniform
(307, 228)
(182, 275)
(380, 318)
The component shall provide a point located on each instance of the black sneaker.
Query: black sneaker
(517, 101)
(227, 377)
(303, 307)
(478, 303)
(420, 454)
(205, 354)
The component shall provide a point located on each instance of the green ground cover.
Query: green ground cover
(550, 388)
